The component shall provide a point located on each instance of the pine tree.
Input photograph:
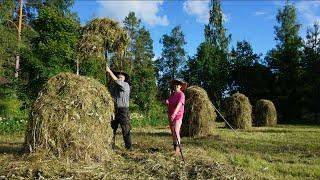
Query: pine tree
(209, 67)
(143, 81)
(172, 59)
(215, 32)
(132, 26)
(144, 85)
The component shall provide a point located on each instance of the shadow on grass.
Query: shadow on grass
(152, 134)
(275, 129)
(278, 130)
(251, 146)
(11, 148)
(271, 131)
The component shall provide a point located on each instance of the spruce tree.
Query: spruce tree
(311, 78)
(285, 62)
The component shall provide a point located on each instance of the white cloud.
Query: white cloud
(147, 11)
(264, 14)
(308, 11)
(199, 9)
(279, 3)
(226, 17)
(260, 13)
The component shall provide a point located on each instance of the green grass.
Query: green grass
(139, 120)
(281, 152)
(12, 125)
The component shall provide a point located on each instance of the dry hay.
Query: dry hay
(151, 158)
(199, 115)
(265, 113)
(125, 165)
(238, 111)
(71, 118)
(101, 33)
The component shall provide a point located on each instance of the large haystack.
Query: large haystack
(71, 118)
(265, 113)
(238, 111)
(199, 114)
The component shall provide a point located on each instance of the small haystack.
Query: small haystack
(71, 118)
(238, 111)
(199, 114)
(265, 113)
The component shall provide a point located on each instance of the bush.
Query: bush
(12, 126)
(12, 118)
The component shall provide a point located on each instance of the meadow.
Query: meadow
(280, 152)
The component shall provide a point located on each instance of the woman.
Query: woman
(175, 104)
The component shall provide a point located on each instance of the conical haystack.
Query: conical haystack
(265, 113)
(200, 115)
(71, 118)
(238, 111)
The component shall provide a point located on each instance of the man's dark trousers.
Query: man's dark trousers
(122, 117)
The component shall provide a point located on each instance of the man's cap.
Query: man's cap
(127, 77)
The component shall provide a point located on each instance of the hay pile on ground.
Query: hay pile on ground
(199, 114)
(265, 113)
(71, 118)
(238, 111)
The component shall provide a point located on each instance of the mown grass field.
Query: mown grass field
(281, 152)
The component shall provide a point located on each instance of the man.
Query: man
(121, 95)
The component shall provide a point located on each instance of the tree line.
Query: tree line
(52, 40)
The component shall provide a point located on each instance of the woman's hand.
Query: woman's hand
(172, 116)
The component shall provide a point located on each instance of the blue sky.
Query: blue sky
(249, 20)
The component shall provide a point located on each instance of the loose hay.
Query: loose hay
(71, 118)
(140, 163)
(265, 113)
(200, 114)
(124, 165)
(238, 111)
